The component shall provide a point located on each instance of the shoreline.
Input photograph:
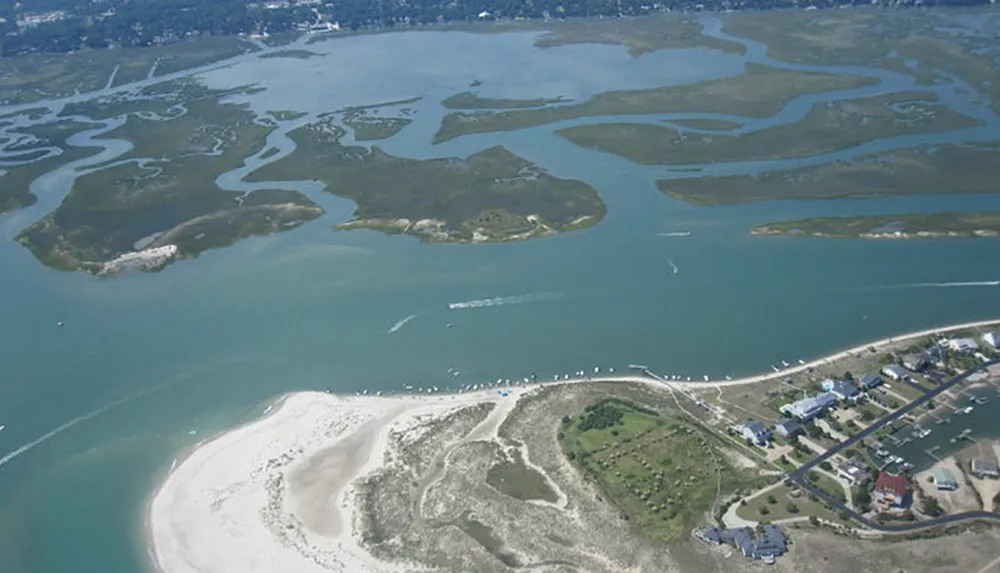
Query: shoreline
(219, 491)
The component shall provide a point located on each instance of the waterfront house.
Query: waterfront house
(963, 345)
(895, 371)
(869, 380)
(811, 407)
(915, 362)
(935, 355)
(992, 338)
(756, 432)
(891, 490)
(944, 479)
(853, 471)
(787, 427)
(982, 468)
(843, 389)
(770, 543)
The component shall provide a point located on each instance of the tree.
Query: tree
(843, 515)
(792, 508)
(826, 465)
(813, 520)
(930, 506)
(764, 510)
(566, 419)
(771, 499)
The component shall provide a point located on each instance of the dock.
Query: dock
(933, 453)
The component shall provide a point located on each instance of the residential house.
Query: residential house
(787, 427)
(891, 490)
(992, 338)
(935, 355)
(963, 345)
(756, 432)
(984, 468)
(915, 362)
(853, 471)
(944, 479)
(770, 543)
(843, 389)
(895, 371)
(869, 380)
(809, 408)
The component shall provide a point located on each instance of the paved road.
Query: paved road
(798, 475)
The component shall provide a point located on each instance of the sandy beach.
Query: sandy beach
(276, 495)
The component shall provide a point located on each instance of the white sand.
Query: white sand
(214, 512)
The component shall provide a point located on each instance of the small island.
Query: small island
(491, 196)
(906, 226)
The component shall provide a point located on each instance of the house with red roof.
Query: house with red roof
(891, 490)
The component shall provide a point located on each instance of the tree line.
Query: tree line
(127, 23)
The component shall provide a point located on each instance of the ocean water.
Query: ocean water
(149, 364)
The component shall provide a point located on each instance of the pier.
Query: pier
(933, 453)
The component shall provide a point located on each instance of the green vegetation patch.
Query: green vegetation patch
(163, 192)
(469, 100)
(941, 169)
(663, 474)
(761, 91)
(827, 127)
(37, 77)
(977, 224)
(373, 128)
(16, 180)
(640, 35)
(493, 195)
(293, 54)
(514, 478)
(785, 502)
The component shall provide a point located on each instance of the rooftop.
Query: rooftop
(889, 483)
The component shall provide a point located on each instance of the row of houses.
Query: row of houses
(935, 355)
(760, 435)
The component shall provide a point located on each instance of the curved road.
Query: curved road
(798, 475)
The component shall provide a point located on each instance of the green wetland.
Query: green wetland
(146, 365)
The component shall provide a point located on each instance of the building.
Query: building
(842, 389)
(944, 479)
(915, 362)
(891, 490)
(787, 427)
(963, 345)
(935, 355)
(869, 380)
(853, 471)
(895, 371)
(992, 338)
(984, 468)
(756, 432)
(809, 408)
(766, 546)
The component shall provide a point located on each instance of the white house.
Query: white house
(756, 432)
(992, 338)
(963, 345)
(895, 371)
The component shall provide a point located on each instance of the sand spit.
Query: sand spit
(277, 495)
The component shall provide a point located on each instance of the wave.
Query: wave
(402, 323)
(673, 266)
(674, 234)
(78, 420)
(501, 300)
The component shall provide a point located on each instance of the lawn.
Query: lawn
(662, 473)
(785, 498)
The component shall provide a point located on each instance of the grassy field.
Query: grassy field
(172, 197)
(948, 168)
(789, 502)
(492, 195)
(293, 54)
(978, 224)
(469, 100)
(760, 92)
(15, 182)
(368, 127)
(844, 37)
(826, 127)
(663, 474)
(42, 76)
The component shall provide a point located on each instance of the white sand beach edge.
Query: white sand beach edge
(277, 496)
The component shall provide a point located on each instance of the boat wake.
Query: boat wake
(673, 266)
(674, 234)
(78, 420)
(942, 285)
(402, 323)
(501, 300)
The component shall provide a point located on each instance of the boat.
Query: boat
(408, 387)
(785, 363)
(2, 428)
(775, 368)
(449, 325)
(705, 377)
(60, 323)
(800, 361)
(728, 377)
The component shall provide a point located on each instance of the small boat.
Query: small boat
(2, 428)
(785, 363)
(449, 325)
(801, 361)
(775, 368)
(705, 377)
(728, 377)
(60, 323)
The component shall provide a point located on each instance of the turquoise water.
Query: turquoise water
(97, 409)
